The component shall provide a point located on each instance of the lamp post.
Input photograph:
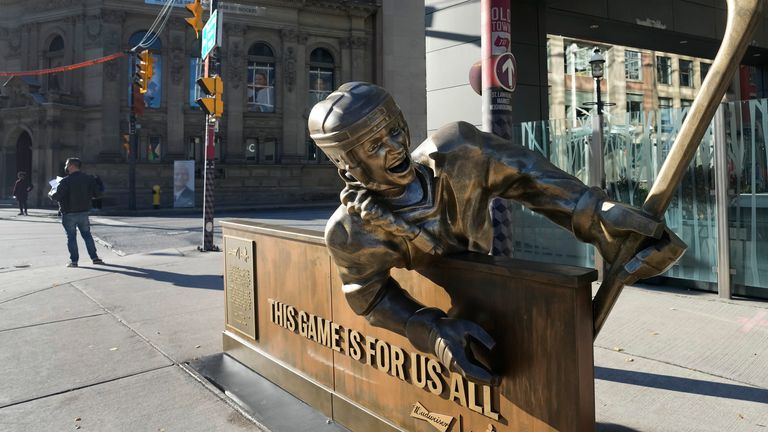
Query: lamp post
(596, 165)
(597, 170)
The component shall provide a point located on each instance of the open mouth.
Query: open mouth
(402, 166)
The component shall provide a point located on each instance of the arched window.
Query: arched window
(54, 58)
(153, 96)
(321, 82)
(261, 78)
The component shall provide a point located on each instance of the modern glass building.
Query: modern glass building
(657, 57)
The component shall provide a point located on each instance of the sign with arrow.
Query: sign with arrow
(505, 71)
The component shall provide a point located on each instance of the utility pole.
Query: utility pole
(208, 175)
(213, 106)
(499, 76)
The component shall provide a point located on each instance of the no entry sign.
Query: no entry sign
(505, 71)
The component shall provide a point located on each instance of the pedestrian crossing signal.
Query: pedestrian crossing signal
(214, 88)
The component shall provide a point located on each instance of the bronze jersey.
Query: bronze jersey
(460, 170)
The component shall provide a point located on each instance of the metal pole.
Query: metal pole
(211, 68)
(596, 164)
(721, 204)
(133, 146)
(495, 41)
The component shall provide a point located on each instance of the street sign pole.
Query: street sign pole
(210, 39)
(498, 81)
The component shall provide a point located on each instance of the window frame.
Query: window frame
(261, 63)
(662, 71)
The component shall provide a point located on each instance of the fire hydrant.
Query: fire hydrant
(156, 196)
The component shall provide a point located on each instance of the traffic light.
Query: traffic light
(214, 87)
(126, 142)
(144, 70)
(196, 20)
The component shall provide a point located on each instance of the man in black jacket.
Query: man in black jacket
(74, 194)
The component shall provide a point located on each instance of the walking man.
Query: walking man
(74, 194)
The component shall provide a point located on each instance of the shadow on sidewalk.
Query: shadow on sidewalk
(684, 385)
(610, 427)
(213, 282)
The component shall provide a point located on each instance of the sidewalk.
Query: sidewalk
(105, 348)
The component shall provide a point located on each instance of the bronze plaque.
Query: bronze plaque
(240, 285)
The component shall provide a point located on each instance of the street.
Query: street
(38, 240)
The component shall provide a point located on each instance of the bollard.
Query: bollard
(156, 196)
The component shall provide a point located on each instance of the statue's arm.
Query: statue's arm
(364, 262)
(526, 176)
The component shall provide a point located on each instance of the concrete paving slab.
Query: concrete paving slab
(165, 399)
(54, 304)
(700, 331)
(185, 336)
(637, 394)
(22, 282)
(175, 288)
(50, 358)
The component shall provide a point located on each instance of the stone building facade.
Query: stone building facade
(277, 58)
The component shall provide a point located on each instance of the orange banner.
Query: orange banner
(64, 68)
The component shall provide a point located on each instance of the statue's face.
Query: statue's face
(383, 162)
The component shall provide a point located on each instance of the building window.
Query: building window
(261, 78)
(154, 149)
(321, 80)
(634, 107)
(195, 148)
(577, 58)
(54, 58)
(195, 72)
(704, 69)
(633, 65)
(686, 73)
(153, 96)
(262, 150)
(665, 114)
(663, 70)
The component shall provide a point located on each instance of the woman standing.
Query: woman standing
(21, 192)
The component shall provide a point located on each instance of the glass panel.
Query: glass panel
(195, 72)
(747, 165)
(635, 146)
(251, 149)
(321, 55)
(686, 73)
(260, 50)
(154, 149)
(634, 107)
(664, 70)
(320, 84)
(267, 151)
(633, 65)
(261, 87)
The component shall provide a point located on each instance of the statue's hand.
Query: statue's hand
(461, 345)
(373, 211)
(608, 224)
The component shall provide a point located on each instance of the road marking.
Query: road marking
(105, 221)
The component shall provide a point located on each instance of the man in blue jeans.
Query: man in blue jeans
(74, 194)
